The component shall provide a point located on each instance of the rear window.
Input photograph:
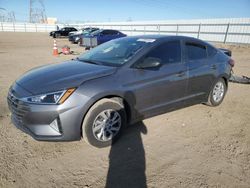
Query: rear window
(195, 51)
(169, 52)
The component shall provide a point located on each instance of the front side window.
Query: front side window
(97, 32)
(169, 52)
(195, 51)
(113, 32)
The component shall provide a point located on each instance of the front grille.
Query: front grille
(17, 107)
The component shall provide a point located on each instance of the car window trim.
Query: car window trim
(195, 44)
(211, 56)
(157, 45)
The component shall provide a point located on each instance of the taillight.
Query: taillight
(231, 62)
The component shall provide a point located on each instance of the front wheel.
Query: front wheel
(217, 93)
(103, 123)
(56, 35)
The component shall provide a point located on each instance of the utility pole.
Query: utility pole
(30, 10)
(2, 14)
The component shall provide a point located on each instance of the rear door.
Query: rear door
(199, 70)
(67, 31)
(158, 90)
(64, 31)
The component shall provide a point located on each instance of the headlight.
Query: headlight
(50, 98)
(77, 38)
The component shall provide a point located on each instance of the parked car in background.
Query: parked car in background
(62, 32)
(117, 83)
(101, 36)
(76, 32)
(75, 38)
(79, 31)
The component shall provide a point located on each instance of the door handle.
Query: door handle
(180, 74)
(214, 67)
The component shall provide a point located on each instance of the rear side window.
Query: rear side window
(211, 51)
(109, 32)
(195, 51)
(169, 52)
(114, 32)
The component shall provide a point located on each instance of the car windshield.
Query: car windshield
(96, 32)
(115, 52)
(87, 31)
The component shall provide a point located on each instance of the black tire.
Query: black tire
(56, 35)
(77, 41)
(211, 99)
(94, 113)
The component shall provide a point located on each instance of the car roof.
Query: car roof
(161, 37)
(169, 37)
(89, 28)
(109, 30)
(69, 27)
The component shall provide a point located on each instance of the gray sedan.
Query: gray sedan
(115, 84)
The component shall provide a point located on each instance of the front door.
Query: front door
(158, 90)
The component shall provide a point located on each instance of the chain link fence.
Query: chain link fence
(215, 32)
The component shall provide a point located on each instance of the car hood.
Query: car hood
(75, 32)
(75, 35)
(91, 35)
(61, 76)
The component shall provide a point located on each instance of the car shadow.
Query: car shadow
(127, 162)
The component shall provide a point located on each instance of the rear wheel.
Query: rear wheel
(104, 122)
(217, 93)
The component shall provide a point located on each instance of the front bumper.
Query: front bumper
(39, 120)
(71, 38)
(74, 39)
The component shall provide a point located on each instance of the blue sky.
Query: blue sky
(123, 10)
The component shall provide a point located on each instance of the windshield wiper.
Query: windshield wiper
(88, 61)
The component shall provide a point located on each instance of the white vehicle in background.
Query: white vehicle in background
(80, 31)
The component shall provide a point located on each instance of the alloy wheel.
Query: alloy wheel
(218, 92)
(106, 125)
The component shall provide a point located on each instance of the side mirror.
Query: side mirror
(149, 62)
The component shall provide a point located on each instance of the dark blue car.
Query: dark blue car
(101, 36)
(76, 38)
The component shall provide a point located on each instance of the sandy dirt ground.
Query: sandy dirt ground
(198, 146)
